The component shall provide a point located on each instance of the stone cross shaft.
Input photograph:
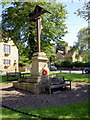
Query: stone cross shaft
(36, 17)
(38, 33)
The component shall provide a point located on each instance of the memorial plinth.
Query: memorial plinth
(34, 83)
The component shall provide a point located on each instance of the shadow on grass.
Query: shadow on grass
(4, 78)
(23, 99)
(78, 110)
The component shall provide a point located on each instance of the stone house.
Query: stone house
(8, 56)
(61, 55)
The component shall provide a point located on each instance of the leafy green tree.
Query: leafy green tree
(82, 45)
(83, 35)
(0, 33)
(58, 64)
(77, 64)
(66, 64)
(50, 52)
(61, 45)
(16, 24)
(23, 59)
(84, 12)
(87, 64)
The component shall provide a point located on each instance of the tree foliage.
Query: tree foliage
(84, 34)
(84, 12)
(66, 63)
(77, 64)
(70, 64)
(61, 45)
(16, 24)
(83, 44)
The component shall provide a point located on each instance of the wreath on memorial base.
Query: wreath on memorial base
(44, 72)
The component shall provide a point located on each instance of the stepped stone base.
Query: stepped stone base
(31, 87)
(35, 83)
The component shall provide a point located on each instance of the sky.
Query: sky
(74, 23)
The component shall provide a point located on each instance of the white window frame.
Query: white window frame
(6, 62)
(6, 49)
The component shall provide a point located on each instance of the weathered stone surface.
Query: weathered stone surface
(24, 85)
(31, 87)
(12, 56)
(35, 88)
(16, 84)
(35, 83)
(39, 62)
(22, 79)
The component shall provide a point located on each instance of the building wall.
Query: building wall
(67, 48)
(74, 59)
(12, 56)
(67, 55)
(59, 55)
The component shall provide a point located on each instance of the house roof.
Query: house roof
(68, 55)
(9, 42)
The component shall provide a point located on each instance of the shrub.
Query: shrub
(87, 64)
(57, 64)
(77, 64)
(66, 63)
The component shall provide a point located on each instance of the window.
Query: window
(6, 49)
(14, 62)
(6, 62)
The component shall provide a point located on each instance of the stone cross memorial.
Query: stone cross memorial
(40, 70)
(36, 17)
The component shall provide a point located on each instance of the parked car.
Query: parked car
(1, 71)
(87, 70)
(53, 68)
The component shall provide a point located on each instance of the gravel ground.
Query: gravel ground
(22, 99)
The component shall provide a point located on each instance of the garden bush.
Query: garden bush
(70, 64)
(77, 64)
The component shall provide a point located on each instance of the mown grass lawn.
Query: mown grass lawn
(3, 78)
(68, 76)
(77, 110)
(75, 77)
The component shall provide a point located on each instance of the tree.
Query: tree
(50, 52)
(82, 44)
(77, 64)
(83, 34)
(84, 12)
(0, 32)
(61, 45)
(23, 59)
(16, 24)
(66, 63)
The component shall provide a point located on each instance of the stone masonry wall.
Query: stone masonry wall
(13, 56)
